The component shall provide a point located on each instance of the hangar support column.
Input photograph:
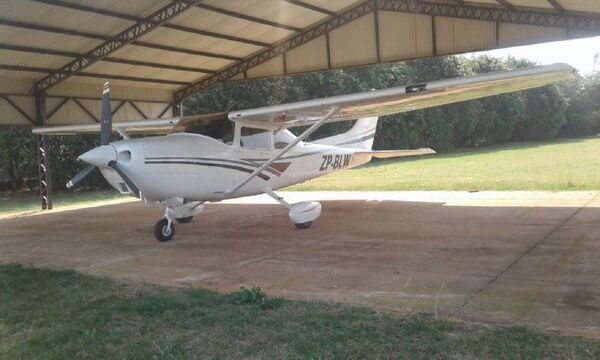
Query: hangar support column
(45, 174)
(176, 106)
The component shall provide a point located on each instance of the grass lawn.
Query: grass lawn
(30, 202)
(556, 165)
(46, 314)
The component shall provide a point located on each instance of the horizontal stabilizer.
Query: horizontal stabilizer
(385, 154)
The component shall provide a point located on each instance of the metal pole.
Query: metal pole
(45, 174)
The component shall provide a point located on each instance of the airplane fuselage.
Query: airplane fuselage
(199, 168)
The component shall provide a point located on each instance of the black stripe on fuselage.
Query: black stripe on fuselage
(200, 163)
(288, 157)
(244, 162)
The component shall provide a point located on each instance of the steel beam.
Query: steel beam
(159, 66)
(53, 29)
(247, 17)
(139, 111)
(185, 51)
(305, 36)
(162, 113)
(94, 75)
(377, 36)
(44, 51)
(505, 3)
(86, 110)
(512, 15)
(556, 6)
(110, 13)
(116, 110)
(58, 107)
(311, 7)
(17, 108)
(44, 171)
(127, 36)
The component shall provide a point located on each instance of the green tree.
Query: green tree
(583, 114)
(545, 114)
(18, 155)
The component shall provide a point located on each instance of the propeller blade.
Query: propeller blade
(80, 176)
(106, 118)
(130, 184)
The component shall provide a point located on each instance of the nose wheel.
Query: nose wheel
(164, 230)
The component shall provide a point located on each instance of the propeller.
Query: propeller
(106, 118)
(105, 154)
(80, 176)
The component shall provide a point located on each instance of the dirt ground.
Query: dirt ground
(499, 257)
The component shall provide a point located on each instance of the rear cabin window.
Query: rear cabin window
(218, 129)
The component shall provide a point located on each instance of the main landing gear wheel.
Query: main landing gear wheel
(304, 225)
(162, 231)
(184, 220)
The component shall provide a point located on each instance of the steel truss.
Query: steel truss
(125, 37)
(496, 14)
(305, 36)
(507, 15)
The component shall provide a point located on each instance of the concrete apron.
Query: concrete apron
(500, 257)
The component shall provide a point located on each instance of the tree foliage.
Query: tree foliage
(566, 110)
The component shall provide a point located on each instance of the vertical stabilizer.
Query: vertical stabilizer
(360, 136)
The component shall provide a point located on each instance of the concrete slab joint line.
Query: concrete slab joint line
(523, 255)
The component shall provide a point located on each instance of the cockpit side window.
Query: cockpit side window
(255, 138)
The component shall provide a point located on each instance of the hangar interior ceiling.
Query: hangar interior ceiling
(157, 52)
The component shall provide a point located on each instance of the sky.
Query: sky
(578, 53)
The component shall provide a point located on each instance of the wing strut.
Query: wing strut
(289, 146)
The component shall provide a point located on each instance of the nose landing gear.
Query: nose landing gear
(164, 230)
(176, 210)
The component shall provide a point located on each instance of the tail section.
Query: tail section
(360, 136)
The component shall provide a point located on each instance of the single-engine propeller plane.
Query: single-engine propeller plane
(211, 157)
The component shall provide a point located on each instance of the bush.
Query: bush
(255, 296)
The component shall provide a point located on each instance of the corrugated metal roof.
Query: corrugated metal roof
(226, 40)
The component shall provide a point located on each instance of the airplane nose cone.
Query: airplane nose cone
(99, 156)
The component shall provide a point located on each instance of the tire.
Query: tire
(184, 220)
(162, 232)
(305, 225)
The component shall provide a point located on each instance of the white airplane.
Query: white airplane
(208, 158)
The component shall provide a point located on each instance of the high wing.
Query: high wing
(189, 123)
(349, 107)
(402, 98)
(150, 126)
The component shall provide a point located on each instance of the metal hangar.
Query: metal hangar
(55, 54)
